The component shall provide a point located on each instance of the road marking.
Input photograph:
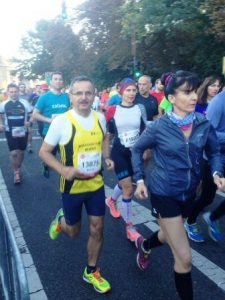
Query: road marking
(33, 138)
(34, 283)
(220, 193)
(142, 215)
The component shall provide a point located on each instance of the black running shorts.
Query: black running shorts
(18, 143)
(168, 207)
(122, 162)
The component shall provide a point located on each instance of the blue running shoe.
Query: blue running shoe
(194, 232)
(213, 228)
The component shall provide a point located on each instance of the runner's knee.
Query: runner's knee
(72, 232)
(183, 261)
(96, 229)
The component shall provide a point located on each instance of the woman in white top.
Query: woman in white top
(125, 123)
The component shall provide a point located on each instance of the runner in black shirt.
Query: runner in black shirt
(143, 97)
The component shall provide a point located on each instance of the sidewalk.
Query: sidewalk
(34, 284)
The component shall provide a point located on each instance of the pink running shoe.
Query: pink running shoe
(132, 233)
(115, 213)
(142, 256)
(17, 177)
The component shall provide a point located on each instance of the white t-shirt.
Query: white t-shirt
(127, 120)
(96, 103)
(61, 128)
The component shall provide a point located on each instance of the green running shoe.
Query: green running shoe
(100, 284)
(55, 227)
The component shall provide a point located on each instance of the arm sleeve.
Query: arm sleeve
(102, 121)
(28, 107)
(40, 103)
(143, 113)
(156, 112)
(214, 114)
(53, 135)
(212, 150)
(146, 141)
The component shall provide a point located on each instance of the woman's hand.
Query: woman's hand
(141, 191)
(109, 164)
(220, 182)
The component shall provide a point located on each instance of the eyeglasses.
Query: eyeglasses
(80, 94)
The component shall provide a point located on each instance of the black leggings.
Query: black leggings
(218, 212)
(207, 194)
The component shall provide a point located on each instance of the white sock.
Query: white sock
(127, 210)
(117, 192)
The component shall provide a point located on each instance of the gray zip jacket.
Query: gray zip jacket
(177, 161)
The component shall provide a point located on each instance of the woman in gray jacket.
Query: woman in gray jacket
(178, 140)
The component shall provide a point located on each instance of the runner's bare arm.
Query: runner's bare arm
(39, 117)
(106, 151)
(69, 172)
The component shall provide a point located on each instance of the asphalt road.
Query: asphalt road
(60, 263)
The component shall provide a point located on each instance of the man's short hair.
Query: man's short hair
(21, 84)
(79, 79)
(148, 77)
(56, 73)
(12, 85)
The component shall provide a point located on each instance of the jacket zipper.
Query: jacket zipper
(186, 140)
(187, 144)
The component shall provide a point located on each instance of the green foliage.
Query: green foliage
(52, 46)
(175, 35)
(215, 9)
(162, 35)
(102, 35)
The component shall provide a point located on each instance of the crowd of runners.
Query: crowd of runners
(177, 127)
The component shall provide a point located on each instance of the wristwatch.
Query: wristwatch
(140, 181)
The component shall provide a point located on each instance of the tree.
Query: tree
(52, 46)
(102, 37)
(115, 35)
(173, 35)
(215, 9)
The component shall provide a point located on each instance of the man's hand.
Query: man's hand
(27, 124)
(2, 127)
(109, 164)
(141, 191)
(220, 182)
(147, 155)
(70, 173)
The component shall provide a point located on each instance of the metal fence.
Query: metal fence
(12, 271)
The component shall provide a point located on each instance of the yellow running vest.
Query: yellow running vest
(84, 152)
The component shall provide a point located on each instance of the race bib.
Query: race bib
(89, 163)
(129, 138)
(18, 131)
